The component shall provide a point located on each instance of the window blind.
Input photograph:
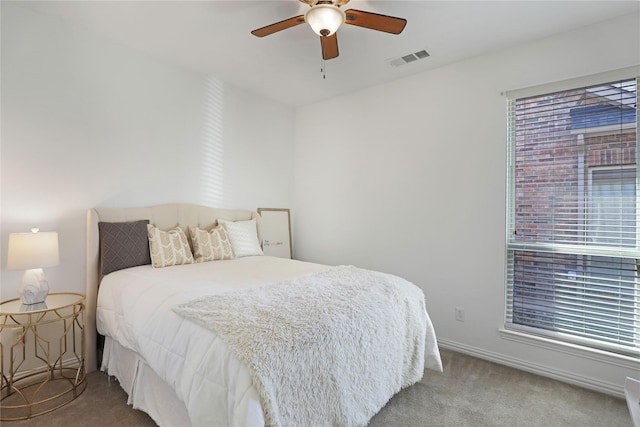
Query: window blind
(572, 232)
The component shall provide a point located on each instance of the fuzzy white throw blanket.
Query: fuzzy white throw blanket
(327, 349)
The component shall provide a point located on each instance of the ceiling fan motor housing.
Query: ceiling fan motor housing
(325, 18)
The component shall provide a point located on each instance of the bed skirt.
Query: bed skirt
(146, 390)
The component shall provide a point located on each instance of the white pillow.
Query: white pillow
(168, 247)
(243, 236)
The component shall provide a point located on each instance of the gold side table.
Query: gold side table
(41, 355)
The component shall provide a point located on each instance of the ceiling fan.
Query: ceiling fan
(325, 17)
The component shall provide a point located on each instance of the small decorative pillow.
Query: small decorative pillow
(243, 236)
(168, 247)
(123, 245)
(210, 245)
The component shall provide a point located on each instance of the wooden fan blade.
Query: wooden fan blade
(329, 46)
(374, 21)
(278, 26)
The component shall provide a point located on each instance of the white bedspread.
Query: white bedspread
(135, 308)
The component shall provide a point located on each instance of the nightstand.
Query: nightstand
(41, 355)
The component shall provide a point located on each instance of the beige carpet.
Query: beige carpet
(470, 392)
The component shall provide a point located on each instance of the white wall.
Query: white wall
(87, 122)
(409, 178)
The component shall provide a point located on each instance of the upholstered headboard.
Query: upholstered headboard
(162, 216)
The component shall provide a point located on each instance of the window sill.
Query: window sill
(610, 358)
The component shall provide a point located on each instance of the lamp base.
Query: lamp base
(34, 287)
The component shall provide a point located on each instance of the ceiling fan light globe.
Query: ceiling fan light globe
(325, 19)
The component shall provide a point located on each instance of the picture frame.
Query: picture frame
(276, 232)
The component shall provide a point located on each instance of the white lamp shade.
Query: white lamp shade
(32, 250)
(325, 19)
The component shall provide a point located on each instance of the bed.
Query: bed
(246, 340)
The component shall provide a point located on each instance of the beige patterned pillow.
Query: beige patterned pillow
(168, 247)
(210, 245)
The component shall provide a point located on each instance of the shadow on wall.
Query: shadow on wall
(212, 166)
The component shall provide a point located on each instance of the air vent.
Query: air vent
(412, 57)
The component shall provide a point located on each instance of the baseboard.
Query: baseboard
(590, 383)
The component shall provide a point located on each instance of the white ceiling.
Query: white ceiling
(214, 37)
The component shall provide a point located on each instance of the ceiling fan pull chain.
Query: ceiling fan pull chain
(323, 69)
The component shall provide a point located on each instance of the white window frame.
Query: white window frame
(524, 333)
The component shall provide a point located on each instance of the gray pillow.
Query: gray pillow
(123, 245)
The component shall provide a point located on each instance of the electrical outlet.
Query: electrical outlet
(459, 314)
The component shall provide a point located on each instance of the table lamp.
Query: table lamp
(32, 252)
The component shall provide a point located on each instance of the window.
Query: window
(573, 215)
